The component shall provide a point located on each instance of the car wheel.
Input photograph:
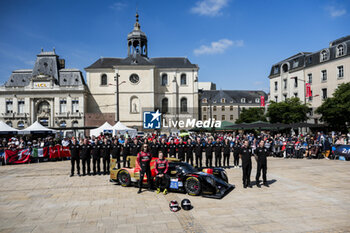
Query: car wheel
(124, 178)
(193, 186)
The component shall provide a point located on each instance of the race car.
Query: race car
(210, 182)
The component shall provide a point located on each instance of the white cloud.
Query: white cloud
(218, 46)
(118, 6)
(209, 7)
(335, 12)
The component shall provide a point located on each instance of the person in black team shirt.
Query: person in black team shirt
(116, 151)
(198, 150)
(227, 151)
(74, 151)
(218, 151)
(135, 147)
(260, 155)
(126, 152)
(144, 159)
(164, 148)
(246, 154)
(154, 147)
(85, 157)
(236, 151)
(172, 149)
(181, 150)
(106, 155)
(96, 158)
(189, 151)
(209, 153)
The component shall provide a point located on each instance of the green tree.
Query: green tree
(251, 115)
(336, 110)
(289, 111)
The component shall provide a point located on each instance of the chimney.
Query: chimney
(62, 63)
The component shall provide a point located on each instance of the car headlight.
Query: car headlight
(210, 180)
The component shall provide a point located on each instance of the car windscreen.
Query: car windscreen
(186, 168)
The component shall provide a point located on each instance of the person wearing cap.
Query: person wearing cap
(144, 160)
(161, 168)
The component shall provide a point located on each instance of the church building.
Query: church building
(122, 88)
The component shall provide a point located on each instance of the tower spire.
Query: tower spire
(137, 25)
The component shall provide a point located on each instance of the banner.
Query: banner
(308, 90)
(40, 152)
(54, 152)
(17, 156)
(64, 152)
(262, 101)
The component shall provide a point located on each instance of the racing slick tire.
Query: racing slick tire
(124, 178)
(193, 186)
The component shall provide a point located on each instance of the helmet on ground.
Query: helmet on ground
(174, 206)
(186, 204)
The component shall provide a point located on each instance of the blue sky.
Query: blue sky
(234, 42)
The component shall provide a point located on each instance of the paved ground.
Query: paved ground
(304, 196)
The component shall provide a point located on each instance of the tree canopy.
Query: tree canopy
(289, 111)
(336, 110)
(251, 115)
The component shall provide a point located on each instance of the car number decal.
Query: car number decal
(174, 184)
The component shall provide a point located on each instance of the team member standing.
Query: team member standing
(172, 149)
(96, 157)
(236, 151)
(189, 151)
(154, 147)
(246, 154)
(74, 151)
(144, 159)
(85, 156)
(164, 148)
(135, 147)
(181, 147)
(260, 155)
(218, 151)
(106, 155)
(227, 151)
(209, 153)
(198, 150)
(126, 152)
(116, 151)
(162, 179)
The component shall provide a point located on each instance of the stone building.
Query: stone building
(226, 105)
(122, 88)
(49, 93)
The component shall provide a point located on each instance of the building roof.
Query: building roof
(307, 59)
(49, 65)
(233, 96)
(159, 62)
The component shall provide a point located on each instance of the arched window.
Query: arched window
(103, 80)
(340, 50)
(285, 68)
(183, 105)
(324, 55)
(20, 125)
(183, 79)
(75, 124)
(165, 105)
(164, 79)
(134, 104)
(9, 123)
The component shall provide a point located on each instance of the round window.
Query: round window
(134, 78)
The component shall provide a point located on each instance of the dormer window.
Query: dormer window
(243, 100)
(257, 100)
(285, 67)
(295, 63)
(205, 100)
(340, 50)
(276, 69)
(324, 55)
(223, 100)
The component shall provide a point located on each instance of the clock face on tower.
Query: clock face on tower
(134, 78)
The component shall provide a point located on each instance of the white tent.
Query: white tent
(36, 127)
(102, 129)
(121, 129)
(6, 129)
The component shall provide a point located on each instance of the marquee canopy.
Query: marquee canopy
(120, 128)
(36, 127)
(102, 129)
(6, 129)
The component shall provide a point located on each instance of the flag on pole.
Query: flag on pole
(308, 90)
(262, 101)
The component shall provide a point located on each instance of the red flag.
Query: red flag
(17, 156)
(308, 90)
(54, 151)
(262, 101)
(64, 152)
